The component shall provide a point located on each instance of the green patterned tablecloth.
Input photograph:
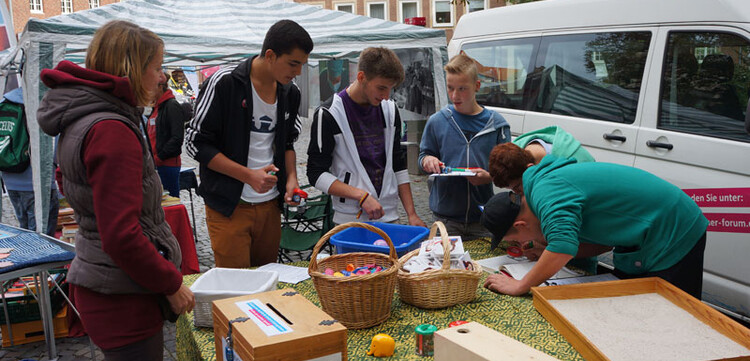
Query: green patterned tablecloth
(512, 316)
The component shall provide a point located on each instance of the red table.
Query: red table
(178, 220)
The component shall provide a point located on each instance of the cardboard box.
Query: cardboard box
(33, 331)
(475, 342)
(282, 325)
(638, 286)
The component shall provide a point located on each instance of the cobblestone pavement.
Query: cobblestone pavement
(77, 349)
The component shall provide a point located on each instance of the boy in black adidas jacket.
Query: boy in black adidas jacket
(243, 135)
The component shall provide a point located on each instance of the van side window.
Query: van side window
(706, 84)
(595, 76)
(504, 67)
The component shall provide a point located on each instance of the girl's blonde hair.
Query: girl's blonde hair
(121, 48)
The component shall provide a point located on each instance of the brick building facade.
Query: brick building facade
(22, 10)
(439, 14)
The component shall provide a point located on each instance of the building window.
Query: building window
(475, 5)
(442, 13)
(345, 7)
(377, 10)
(408, 9)
(93, 4)
(36, 6)
(66, 6)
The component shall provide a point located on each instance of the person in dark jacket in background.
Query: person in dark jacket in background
(125, 277)
(166, 131)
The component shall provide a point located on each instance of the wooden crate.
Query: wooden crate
(313, 334)
(476, 342)
(33, 331)
(715, 319)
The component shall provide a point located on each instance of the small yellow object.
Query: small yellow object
(382, 346)
(338, 274)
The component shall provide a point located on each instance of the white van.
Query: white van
(659, 85)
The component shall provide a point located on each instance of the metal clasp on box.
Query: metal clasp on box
(229, 349)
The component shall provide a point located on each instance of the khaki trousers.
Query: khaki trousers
(249, 238)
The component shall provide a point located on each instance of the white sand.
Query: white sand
(646, 327)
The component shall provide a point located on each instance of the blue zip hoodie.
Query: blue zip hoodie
(454, 197)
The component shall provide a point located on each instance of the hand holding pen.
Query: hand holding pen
(432, 164)
(264, 179)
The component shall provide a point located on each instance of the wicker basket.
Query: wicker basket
(438, 288)
(356, 301)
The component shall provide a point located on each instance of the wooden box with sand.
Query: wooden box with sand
(640, 319)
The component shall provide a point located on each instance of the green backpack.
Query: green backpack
(14, 138)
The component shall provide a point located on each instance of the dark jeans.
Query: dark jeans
(170, 179)
(23, 205)
(687, 274)
(467, 231)
(150, 349)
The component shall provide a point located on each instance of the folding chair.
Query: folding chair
(302, 227)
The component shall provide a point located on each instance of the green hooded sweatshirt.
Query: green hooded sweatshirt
(564, 145)
(651, 223)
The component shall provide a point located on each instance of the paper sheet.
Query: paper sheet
(492, 265)
(519, 270)
(287, 273)
(267, 320)
(519, 267)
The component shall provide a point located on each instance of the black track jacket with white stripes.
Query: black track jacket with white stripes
(221, 124)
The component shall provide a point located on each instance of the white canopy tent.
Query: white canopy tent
(203, 33)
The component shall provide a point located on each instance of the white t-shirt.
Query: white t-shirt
(260, 154)
(547, 147)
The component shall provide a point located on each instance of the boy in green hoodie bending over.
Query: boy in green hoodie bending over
(584, 209)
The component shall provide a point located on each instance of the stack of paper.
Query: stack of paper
(287, 273)
(431, 255)
(518, 268)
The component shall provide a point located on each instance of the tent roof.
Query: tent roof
(207, 32)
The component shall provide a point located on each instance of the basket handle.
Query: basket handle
(446, 242)
(314, 257)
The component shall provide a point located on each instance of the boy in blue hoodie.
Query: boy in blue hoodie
(461, 135)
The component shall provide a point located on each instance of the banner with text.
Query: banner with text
(724, 197)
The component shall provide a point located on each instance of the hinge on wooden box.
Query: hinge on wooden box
(229, 349)
(327, 322)
(290, 293)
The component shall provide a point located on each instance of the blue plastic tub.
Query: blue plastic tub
(404, 238)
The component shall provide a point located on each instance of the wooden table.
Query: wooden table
(515, 317)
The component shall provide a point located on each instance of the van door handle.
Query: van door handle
(654, 144)
(610, 136)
